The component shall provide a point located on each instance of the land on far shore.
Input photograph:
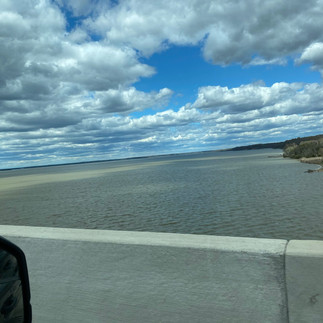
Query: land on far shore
(306, 149)
(278, 145)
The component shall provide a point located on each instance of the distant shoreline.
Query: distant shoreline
(313, 161)
(274, 145)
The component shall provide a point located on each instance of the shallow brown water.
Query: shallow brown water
(220, 193)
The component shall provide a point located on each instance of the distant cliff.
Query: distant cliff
(305, 148)
(307, 151)
(294, 148)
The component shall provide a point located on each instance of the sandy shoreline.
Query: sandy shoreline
(315, 161)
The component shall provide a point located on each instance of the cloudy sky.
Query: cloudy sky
(90, 80)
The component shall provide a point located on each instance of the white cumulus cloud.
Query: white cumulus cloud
(69, 69)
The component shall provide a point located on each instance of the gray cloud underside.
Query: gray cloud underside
(65, 89)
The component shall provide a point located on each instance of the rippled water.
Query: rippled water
(242, 193)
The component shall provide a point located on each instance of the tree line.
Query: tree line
(311, 146)
(308, 148)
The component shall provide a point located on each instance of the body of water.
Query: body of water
(244, 193)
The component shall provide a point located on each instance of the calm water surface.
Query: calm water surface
(242, 193)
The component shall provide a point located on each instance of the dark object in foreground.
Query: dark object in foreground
(14, 284)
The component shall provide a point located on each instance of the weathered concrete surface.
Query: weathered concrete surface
(304, 275)
(114, 276)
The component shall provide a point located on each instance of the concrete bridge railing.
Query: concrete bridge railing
(117, 276)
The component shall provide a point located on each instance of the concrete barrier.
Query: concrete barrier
(304, 276)
(115, 276)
